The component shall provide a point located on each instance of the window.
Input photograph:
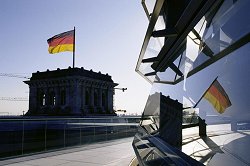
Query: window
(41, 98)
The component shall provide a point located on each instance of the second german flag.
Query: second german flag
(218, 97)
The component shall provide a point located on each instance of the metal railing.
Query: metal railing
(29, 135)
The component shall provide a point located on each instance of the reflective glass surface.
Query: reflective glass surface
(149, 4)
(219, 29)
(209, 104)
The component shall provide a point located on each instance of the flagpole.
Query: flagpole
(74, 48)
(204, 93)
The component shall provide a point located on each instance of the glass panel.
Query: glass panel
(222, 30)
(100, 129)
(221, 27)
(72, 132)
(229, 128)
(150, 5)
(34, 136)
(55, 134)
(154, 47)
(11, 138)
(87, 130)
(146, 68)
(160, 23)
(214, 102)
(22, 136)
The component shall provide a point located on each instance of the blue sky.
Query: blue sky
(109, 35)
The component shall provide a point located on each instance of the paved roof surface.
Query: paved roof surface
(111, 153)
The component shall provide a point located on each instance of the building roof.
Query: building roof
(59, 73)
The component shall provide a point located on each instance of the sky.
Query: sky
(109, 36)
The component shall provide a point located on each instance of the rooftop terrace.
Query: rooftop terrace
(108, 153)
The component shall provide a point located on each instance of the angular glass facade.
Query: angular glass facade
(198, 108)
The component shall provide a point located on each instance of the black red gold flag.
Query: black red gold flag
(61, 42)
(218, 97)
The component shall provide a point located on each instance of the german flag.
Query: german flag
(61, 42)
(217, 96)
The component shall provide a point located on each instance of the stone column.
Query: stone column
(105, 103)
(110, 99)
(83, 96)
(33, 99)
(100, 97)
(92, 96)
(76, 98)
(58, 96)
(68, 95)
(46, 92)
(68, 98)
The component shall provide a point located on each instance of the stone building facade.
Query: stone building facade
(72, 91)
